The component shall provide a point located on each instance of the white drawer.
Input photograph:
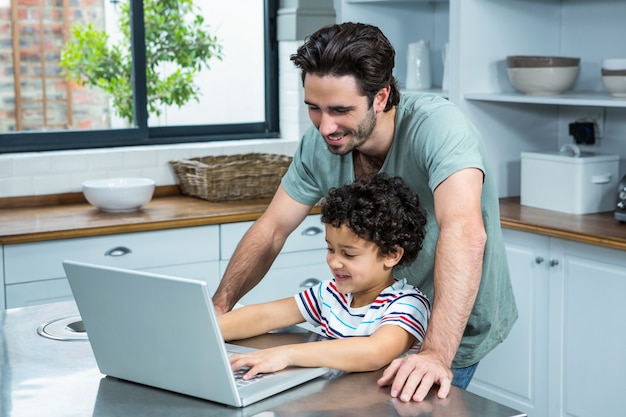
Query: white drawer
(42, 260)
(34, 293)
(290, 274)
(309, 235)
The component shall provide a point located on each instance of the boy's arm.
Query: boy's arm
(256, 319)
(354, 354)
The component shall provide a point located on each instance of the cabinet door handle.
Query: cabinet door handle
(309, 282)
(311, 231)
(539, 260)
(554, 262)
(118, 251)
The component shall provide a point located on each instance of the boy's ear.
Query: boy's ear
(392, 258)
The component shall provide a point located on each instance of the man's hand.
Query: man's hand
(414, 375)
(219, 310)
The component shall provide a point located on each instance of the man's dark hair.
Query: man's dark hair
(355, 49)
(383, 210)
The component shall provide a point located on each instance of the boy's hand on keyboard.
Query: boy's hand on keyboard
(261, 361)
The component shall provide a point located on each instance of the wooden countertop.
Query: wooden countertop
(596, 229)
(31, 219)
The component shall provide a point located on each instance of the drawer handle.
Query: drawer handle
(309, 282)
(311, 231)
(601, 179)
(118, 251)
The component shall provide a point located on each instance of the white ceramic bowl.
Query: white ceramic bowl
(540, 61)
(615, 85)
(543, 81)
(118, 195)
(614, 64)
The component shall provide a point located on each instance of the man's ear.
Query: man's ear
(380, 100)
(392, 258)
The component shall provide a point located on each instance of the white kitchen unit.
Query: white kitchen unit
(517, 370)
(34, 273)
(481, 34)
(484, 32)
(565, 355)
(300, 264)
(404, 22)
(2, 306)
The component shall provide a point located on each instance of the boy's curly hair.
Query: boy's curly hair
(383, 210)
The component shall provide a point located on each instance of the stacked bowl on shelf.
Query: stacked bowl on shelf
(542, 75)
(614, 76)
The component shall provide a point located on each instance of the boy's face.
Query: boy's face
(357, 265)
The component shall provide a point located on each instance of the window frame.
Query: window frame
(144, 135)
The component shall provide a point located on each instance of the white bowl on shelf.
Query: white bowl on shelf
(615, 85)
(118, 195)
(542, 75)
(614, 64)
(546, 81)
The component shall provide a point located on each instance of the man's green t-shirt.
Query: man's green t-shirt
(433, 139)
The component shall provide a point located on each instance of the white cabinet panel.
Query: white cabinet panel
(34, 273)
(588, 333)
(290, 274)
(301, 262)
(565, 355)
(204, 271)
(515, 373)
(2, 304)
(33, 293)
(42, 260)
(309, 235)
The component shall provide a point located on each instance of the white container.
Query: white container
(418, 72)
(572, 183)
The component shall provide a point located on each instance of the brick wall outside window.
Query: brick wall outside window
(44, 97)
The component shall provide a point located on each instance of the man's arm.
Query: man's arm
(257, 250)
(457, 274)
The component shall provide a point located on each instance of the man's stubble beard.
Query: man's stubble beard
(358, 137)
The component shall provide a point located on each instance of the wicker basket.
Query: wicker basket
(231, 177)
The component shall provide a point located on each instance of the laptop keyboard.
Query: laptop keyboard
(240, 382)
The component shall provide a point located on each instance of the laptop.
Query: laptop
(163, 332)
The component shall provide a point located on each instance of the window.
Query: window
(40, 109)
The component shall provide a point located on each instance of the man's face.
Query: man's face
(339, 112)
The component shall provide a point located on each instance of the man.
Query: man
(362, 126)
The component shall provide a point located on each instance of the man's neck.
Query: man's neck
(369, 158)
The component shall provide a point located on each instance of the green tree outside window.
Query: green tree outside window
(175, 35)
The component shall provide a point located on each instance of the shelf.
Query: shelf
(394, 1)
(593, 99)
(436, 91)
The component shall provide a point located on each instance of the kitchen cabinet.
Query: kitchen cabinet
(300, 264)
(2, 305)
(517, 370)
(485, 32)
(33, 273)
(404, 22)
(564, 357)
(481, 34)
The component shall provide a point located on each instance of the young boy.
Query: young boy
(371, 227)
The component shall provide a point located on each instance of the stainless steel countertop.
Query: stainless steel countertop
(40, 376)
